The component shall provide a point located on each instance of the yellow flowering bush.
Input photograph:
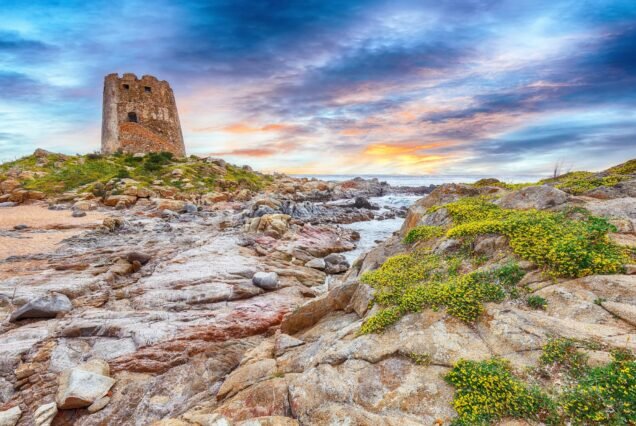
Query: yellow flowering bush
(469, 209)
(604, 395)
(423, 232)
(567, 247)
(409, 282)
(487, 391)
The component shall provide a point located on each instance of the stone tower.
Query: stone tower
(140, 115)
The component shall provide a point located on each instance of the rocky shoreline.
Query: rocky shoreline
(192, 309)
(163, 290)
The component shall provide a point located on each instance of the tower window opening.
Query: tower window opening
(126, 87)
(147, 89)
(132, 117)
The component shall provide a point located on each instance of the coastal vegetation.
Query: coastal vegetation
(442, 269)
(56, 173)
(571, 243)
(423, 233)
(409, 282)
(557, 241)
(581, 182)
(487, 391)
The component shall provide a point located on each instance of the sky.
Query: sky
(337, 86)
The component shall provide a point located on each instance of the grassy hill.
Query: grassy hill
(57, 173)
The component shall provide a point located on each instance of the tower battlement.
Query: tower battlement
(140, 115)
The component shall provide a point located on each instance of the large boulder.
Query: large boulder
(168, 204)
(139, 192)
(316, 263)
(533, 197)
(363, 203)
(620, 190)
(265, 280)
(114, 200)
(273, 224)
(43, 307)
(10, 417)
(83, 385)
(313, 311)
(336, 263)
(85, 205)
(619, 208)
(7, 186)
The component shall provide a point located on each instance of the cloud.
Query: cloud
(18, 86)
(248, 152)
(390, 86)
(15, 48)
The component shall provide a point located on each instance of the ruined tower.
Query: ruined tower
(140, 115)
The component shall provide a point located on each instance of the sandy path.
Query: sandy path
(46, 228)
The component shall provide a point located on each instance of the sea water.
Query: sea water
(374, 231)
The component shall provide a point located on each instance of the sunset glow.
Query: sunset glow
(387, 87)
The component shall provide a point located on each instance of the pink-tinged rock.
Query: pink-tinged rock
(267, 398)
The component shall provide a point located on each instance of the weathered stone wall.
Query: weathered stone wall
(140, 115)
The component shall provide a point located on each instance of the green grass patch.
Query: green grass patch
(58, 173)
(580, 182)
(481, 183)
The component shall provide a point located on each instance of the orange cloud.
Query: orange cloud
(392, 150)
(353, 132)
(247, 152)
(242, 128)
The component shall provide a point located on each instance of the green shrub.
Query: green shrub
(423, 232)
(604, 395)
(487, 391)
(380, 320)
(536, 302)
(567, 247)
(627, 168)
(409, 282)
(123, 174)
(154, 161)
(564, 352)
(58, 173)
(73, 174)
